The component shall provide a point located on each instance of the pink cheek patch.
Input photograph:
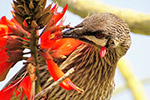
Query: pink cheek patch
(102, 52)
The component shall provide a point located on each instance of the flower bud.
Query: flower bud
(15, 55)
(13, 43)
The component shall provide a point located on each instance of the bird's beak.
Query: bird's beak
(77, 33)
(71, 33)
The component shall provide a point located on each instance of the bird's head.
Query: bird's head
(105, 31)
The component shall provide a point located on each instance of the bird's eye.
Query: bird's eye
(111, 42)
(99, 35)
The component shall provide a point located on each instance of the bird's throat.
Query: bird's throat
(93, 74)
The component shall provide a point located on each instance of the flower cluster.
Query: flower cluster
(11, 45)
(21, 32)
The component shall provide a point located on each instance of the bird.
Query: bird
(105, 39)
(94, 73)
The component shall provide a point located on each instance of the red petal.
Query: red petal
(58, 16)
(65, 8)
(48, 40)
(25, 23)
(45, 42)
(26, 86)
(7, 92)
(3, 55)
(54, 70)
(4, 69)
(61, 44)
(48, 44)
(5, 21)
(3, 42)
(56, 73)
(22, 96)
(14, 21)
(69, 46)
(4, 65)
(44, 37)
(54, 8)
(3, 30)
(102, 52)
(55, 44)
(58, 43)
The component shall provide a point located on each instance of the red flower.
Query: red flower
(52, 46)
(8, 92)
(24, 87)
(50, 41)
(10, 46)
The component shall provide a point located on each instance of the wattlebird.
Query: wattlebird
(105, 39)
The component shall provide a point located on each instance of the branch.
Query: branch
(44, 91)
(138, 22)
(125, 87)
(132, 82)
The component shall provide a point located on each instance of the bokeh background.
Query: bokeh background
(138, 56)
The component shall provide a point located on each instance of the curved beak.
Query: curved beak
(79, 34)
(71, 33)
(91, 39)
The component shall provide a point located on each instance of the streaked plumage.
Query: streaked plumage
(93, 74)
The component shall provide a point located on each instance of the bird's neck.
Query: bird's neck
(86, 60)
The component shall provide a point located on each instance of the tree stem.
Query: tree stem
(34, 54)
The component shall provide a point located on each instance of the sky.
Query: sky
(138, 55)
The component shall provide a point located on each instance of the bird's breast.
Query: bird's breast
(93, 74)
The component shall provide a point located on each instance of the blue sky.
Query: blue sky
(138, 56)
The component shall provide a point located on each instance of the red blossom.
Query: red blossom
(4, 69)
(50, 40)
(8, 92)
(52, 46)
(10, 47)
(56, 73)
(54, 9)
(58, 16)
(5, 22)
(11, 52)
(25, 87)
